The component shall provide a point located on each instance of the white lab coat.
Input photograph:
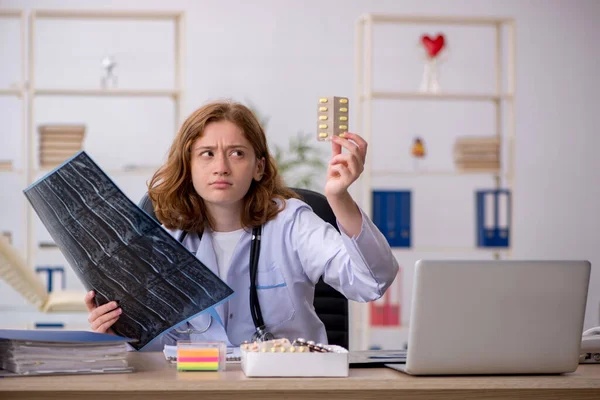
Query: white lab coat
(297, 248)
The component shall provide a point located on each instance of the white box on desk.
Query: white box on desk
(306, 364)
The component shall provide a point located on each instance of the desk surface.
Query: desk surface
(155, 378)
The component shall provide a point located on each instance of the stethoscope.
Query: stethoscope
(261, 334)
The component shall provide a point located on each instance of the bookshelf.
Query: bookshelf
(176, 94)
(502, 99)
(434, 96)
(108, 92)
(13, 168)
(8, 166)
(28, 251)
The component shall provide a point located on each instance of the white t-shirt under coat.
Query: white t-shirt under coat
(224, 244)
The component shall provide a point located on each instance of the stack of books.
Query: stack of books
(59, 143)
(17, 274)
(477, 153)
(6, 165)
(7, 236)
(43, 352)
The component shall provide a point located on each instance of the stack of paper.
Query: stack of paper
(6, 165)
(59, 143)
(477, 153)
(33, 352)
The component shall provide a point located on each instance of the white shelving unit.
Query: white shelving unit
(365, 95)
(434, 96)
(107, 92)
(21, 314)
(176, 93)
(20, 91)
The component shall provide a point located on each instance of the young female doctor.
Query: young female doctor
(217, 186)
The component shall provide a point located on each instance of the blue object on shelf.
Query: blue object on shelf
(493, 217)
(392, 215)
(49, 325)
(50, 271)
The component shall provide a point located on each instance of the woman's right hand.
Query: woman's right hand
(103, 317)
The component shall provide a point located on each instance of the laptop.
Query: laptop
(496, 317)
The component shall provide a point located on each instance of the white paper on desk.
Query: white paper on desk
(33, 352)
(234, 355)
(170, 353)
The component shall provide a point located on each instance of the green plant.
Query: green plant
(301, 163)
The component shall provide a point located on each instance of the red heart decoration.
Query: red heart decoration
(433, 46)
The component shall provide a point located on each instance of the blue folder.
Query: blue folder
(392, 215)
(61, 336)
(493, 217)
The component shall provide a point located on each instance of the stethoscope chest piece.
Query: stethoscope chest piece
(262, 335)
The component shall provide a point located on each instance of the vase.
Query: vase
(430, 82)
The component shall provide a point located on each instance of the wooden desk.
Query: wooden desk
(157, 379)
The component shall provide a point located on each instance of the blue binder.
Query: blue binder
(50, 270)
(392, 215)
(493, 217)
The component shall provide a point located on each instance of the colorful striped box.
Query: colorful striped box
(201, 356)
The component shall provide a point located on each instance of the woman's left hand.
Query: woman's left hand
(345, 168)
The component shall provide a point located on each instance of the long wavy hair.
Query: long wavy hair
(177, 204)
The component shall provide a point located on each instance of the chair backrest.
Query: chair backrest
(330, 305)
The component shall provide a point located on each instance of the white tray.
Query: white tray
(258, 364)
